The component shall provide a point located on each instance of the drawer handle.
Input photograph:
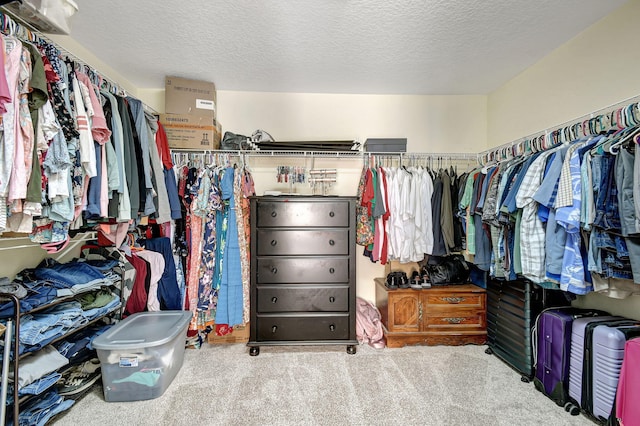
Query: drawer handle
(331, 270)
(419, 311)
(332, 327)
(274, 299)
(274, 328)
(332, 299)
(453, 299)
(274, 214)
(331, 214)
(332, 243)
(274, 270)
(454, 320)
(274, 242)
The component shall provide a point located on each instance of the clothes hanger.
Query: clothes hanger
(615, 147)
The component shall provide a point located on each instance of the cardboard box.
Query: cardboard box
(186, 131)
(240, 334)
(184, 96)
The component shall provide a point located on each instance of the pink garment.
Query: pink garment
(104, 184)
(193, 271)
(369, 324)
(156, 264)
(10, 119)
(115, 233)
(5, 94)
(25, 135)
(99, 128)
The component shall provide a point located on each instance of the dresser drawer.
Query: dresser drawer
(456, 300)
(453, 320)
(302, 270)
(302, 328)
(290, 213)
(302, 242)
(303, 299)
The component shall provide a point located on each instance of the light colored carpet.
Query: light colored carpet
(323, 385)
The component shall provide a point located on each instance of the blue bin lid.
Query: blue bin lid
(143, 330)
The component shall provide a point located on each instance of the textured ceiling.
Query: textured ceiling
(332, 46)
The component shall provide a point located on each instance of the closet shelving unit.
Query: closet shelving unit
(24, 242)
(431, 159)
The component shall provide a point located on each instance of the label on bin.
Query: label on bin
(128, 361)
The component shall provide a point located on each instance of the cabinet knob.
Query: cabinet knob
(274, 299)
(331, 270)
(274, 242)
(332, 299)
(332, 327)
(274, 328)
(331, 214)
(274, 270)
(274, 214)
(331, 242)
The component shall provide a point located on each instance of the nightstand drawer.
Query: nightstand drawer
(290, 213)
(302, 299)
(302, 270)
(456, 300)
(302, 242)
(302, 328)
(455, 319)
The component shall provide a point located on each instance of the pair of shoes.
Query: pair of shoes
(80, 377)
(416, 281)
(424, 273)
(397, 279)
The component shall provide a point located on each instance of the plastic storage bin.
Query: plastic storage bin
(141, 355)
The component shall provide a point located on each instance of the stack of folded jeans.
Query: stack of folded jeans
(38, 330)
(70, 278)
(34, 294)
(38, 412)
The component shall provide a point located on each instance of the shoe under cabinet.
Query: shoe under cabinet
(441, 315)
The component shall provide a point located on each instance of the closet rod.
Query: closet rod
(339, 154)
(13, 25)
(559, 127)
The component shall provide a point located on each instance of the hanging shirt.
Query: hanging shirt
(573, 277)
(532, 233)
(87, 148)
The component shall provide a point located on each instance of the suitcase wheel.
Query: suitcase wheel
(525, 379)
(571, 408)
(488, 351)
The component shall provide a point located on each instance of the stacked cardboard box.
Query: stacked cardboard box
(190, 114)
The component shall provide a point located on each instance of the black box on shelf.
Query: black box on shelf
(385, 145)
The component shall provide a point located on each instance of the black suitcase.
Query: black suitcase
(512, 309)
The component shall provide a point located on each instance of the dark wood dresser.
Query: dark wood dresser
(303, 286)
(441, 315)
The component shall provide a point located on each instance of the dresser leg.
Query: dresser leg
(351, 350)
(254, 350)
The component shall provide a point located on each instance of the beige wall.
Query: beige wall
(597, 68)
(430, 124)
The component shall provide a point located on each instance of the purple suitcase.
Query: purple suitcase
(553, 329)
(608, 354)
(576, 359)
